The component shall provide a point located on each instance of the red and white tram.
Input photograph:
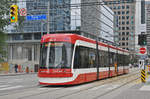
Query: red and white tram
(68, 59)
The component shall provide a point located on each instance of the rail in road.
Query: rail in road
(38, 92)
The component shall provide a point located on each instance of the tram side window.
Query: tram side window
(103, 58)
(81, 59)
(77, 58)
(123, 60)
(84, 57)
(112, 59)
(120, 60)
(92, 58)
(126, 59)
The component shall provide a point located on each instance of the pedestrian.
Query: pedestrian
(16, 68)
(19, 68)
(130, 66)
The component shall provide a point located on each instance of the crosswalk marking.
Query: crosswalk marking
(13, 87)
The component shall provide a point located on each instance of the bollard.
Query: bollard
(143, 76)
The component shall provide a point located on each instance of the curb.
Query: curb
(15, 74)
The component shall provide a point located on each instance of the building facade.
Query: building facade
(107, 18)
(24, 47)
(68, 15)
(148, 25)
(125, 13)
(60, 16)
(140, 25)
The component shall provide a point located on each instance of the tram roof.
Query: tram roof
(72, 37)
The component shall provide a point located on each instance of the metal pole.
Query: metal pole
(48, 13)
(123, 62)
(109, 61)
(97, 62)
(41, 29)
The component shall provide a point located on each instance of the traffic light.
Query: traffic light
(13, 13)
(142, 39)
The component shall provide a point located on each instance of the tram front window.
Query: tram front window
(60, 55)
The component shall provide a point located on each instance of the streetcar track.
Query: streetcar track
(40, 93)
(109, 91)
(99, 83)
(28, 89)
(18, 91)
(102, 83)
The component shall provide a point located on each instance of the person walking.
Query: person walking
(16, 68)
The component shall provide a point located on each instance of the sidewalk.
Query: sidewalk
(14, 74)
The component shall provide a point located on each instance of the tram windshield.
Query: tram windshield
(56, 55)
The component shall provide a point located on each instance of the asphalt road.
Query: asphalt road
(26, 87)
(10, 84)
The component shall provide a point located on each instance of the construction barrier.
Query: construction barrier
(143, 75)
(27, 69)
(148, 69)
(4, 67)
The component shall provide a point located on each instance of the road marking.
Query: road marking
(79, 87)
(2, 81)
(15, 81)
(145, 88)
(8, 88)
(113, 87)
(101, 86)
(1, 86)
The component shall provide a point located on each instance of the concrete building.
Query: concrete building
(24, 49)
(90, 16)
(126, 17)
(140, 25)
(131, 16)
(107, 24)
(96, 20)
(59, 15)
(148, 25)
(64, 18)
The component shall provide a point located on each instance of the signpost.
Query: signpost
(36, 17)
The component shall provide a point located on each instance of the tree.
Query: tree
(4, 21)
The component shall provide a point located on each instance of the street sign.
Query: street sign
(23, 12)
(36, 17)
(142, 50)
(141, 64)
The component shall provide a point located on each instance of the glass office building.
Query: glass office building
(60, 15)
